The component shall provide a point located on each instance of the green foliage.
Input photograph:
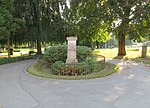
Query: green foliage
(55, 53)
(60, 68)
(44, 21)
(15, 59)
(8, 23)
(3, 51)
(82, 68)
(59, 53)
(83, 52)
(56, 57)
(130, 18)
(86, 20)
(94, 65)
(32, 52)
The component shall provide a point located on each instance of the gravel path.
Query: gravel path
(129, 88)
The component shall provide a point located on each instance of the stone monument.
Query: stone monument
(71, 54)
(144, 51)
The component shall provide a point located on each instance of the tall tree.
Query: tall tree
(44, 21)
(8, 23)
(33, 19)
(128, 18)
(125, 18)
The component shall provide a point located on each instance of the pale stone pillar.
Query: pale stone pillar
(71, 54)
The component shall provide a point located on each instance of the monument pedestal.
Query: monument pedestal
(71, 54)
(68, 61)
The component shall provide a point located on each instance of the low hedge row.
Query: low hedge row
(15, 59)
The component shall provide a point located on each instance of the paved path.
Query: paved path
(129, 88)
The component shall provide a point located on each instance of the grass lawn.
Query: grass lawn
(19, 52)
(143, 60)
(132, 53)
(46, 73)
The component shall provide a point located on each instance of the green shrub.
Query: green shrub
(83, 52)
(55, 58)
(3, 51)
(32, 52)
(17, 50)
(55, 53)
(60, 68)
(59, 53)
(82, 68)
(92, 64)
(15, 59)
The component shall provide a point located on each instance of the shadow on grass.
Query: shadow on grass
(143, 60)
(121, 57)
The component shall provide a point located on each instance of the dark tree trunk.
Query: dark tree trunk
(9, 43)
(8, 46)
(121, 45)
(97, 44)
(123, 29)
(39, 41)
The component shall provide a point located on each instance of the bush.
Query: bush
(3, 51)
(55, 53)
(15, 59)
(83, 52)
(82, 68)
(59, 53)
(60, 68)
(55, 58)
(32, 52)
(17, 51)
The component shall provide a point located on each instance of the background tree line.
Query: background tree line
(40, 22)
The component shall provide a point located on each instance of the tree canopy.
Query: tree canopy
(128, 18)
(51, 21)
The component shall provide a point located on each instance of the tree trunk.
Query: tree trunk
(8, 46)
(39, 41)
(121, 45)
(92, 45)
(97, 44)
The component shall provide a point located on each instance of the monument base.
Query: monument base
(69, 61)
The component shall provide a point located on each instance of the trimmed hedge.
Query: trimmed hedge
(15, 59)
(59, 53)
